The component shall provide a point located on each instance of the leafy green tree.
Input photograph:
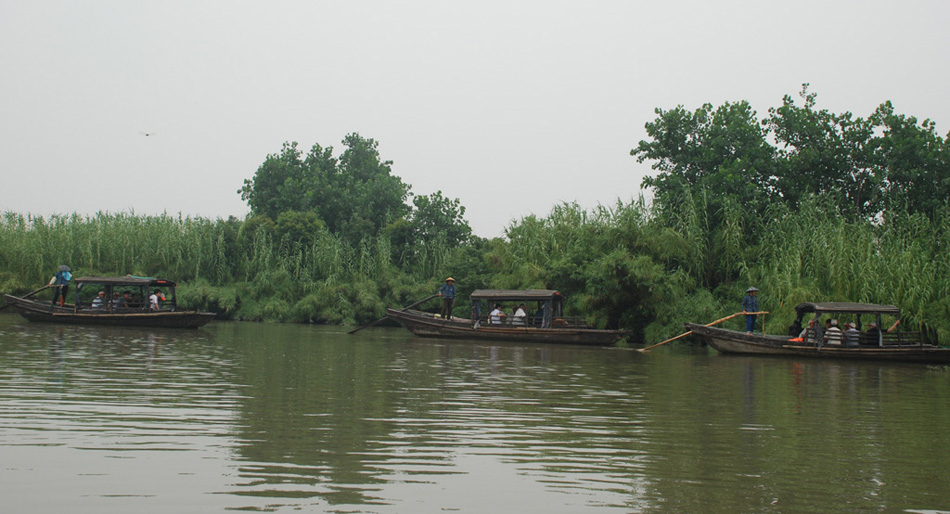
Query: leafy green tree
(723, 151)
(281, 184)
(355, 195)
(301, 228)
(913, 159)
(715, 180)
(824, 153)
(363, 196)
(436, 217)
(435, 225)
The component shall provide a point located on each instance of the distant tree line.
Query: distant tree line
(805, 204)
(866, 165)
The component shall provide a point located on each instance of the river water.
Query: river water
(291, 418)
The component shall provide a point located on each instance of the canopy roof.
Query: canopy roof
(847, 307)
(127, 280)
(514, 295)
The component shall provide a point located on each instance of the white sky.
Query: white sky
(510, 106)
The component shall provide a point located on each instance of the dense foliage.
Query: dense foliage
(867, 165)
(804, 203)
(355, 195)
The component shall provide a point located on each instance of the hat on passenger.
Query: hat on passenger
(752, 289)
(64, 268)
(450, 279)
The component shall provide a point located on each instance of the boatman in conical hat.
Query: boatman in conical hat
(447, 292)
(750, 304)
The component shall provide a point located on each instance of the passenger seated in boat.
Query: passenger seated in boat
(852, 336)
(497, 316)
(833, 335)
(539, 316)
(154, 301)
(808, 334)
(873, 335)
(519, 316)
(116, 302)
(99, 302)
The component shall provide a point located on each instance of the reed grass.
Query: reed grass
(632, 265)
(220, 267)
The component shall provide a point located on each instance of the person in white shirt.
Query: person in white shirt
(519, 316)
(99, 302)
(833, 335)
(155, 299)
(497, 316)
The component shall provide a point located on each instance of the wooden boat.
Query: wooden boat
(117, 309)
(546, 325)
(901, 346)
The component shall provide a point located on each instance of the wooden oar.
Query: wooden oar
(380, 320)
(31, 293)
(690, 332)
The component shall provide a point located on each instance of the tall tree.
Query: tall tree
(436, 224)
(723, 151)
(913, 159)
(281, 184)
(824, 153)
(436, 217)
(355, 195)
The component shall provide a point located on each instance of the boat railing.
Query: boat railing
(901, 338)
(536, 321)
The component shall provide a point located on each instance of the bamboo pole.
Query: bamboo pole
(708, 325)
(380, 320)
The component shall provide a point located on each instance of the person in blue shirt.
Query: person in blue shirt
(750, 304)
(447, 292)
(61, 281)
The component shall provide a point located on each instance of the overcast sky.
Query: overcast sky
(510, 106)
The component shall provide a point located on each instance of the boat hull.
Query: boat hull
(42, 312)
(427, 325)
(733, 342)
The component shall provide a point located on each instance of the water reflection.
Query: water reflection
(287, 417)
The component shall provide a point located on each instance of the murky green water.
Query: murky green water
(289, 418)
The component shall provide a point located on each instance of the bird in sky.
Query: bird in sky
(147, 134)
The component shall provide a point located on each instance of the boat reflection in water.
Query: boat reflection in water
(298, 418)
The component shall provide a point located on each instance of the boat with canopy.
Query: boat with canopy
(870, 341)
(115, 301)
(546, 323)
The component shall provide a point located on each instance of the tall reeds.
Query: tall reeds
(218, 266)
(626, 265)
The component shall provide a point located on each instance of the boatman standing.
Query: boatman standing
(61, 281)
(447, 292)
(750, 304)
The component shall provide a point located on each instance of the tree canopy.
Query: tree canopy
(864, 164)
(355, 195)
